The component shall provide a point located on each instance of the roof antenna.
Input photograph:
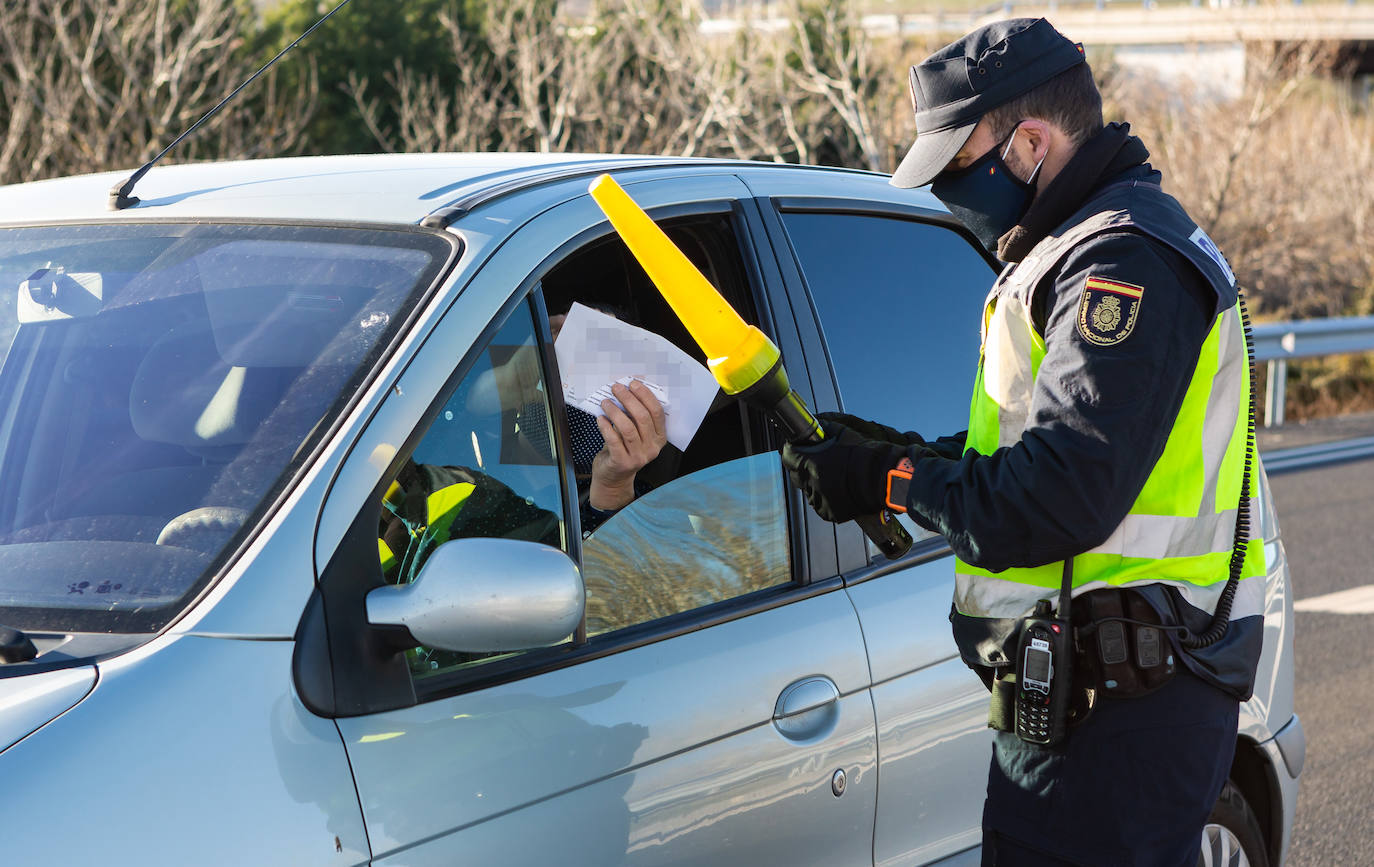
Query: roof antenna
(120, 194)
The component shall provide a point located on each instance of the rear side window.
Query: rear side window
(900, 305)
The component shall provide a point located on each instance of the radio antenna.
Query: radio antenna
(121, 194)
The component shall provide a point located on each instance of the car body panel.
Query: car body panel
(201, 739)
(688, 809)
(841, 186)
(1273, 704)
(934, 745)
(703, 700)
(368, 188)
(27, 703)
(932, 717)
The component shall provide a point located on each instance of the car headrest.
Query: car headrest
(186, 394)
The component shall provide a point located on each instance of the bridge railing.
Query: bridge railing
(1277, 343)
(1007, 6)
(1150, 21)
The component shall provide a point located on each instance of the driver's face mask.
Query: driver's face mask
(985, 196)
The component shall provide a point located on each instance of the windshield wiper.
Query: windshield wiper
(15, 646)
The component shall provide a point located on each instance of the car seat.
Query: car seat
(184, 394)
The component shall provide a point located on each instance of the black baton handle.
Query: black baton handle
(773, 393)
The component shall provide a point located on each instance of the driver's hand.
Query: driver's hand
(634, 436)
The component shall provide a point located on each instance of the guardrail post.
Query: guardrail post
(1274, 391)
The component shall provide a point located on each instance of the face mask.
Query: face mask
(985, 196)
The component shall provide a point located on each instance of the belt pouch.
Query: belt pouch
(1152, 652)
(1111, 644)
(1002, 704)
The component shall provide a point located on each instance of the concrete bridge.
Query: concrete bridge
(1152, 23)
(1205, 42)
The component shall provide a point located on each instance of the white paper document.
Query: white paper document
(595, 351)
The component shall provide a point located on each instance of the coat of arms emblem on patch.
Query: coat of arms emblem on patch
(1108, 310)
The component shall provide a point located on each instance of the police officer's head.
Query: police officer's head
(998, 113)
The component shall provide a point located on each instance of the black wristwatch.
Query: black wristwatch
(898, 483)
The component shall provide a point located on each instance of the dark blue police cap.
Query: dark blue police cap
(954, 87)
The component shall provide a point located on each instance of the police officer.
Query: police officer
(1107, 453)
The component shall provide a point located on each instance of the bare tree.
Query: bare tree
(642, 76)
(89, 85)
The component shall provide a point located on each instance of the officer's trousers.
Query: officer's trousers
(1133, 785)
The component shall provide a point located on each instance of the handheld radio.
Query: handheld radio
(1044, 681)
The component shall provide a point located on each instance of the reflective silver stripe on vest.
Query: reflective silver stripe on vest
(1157, 537)
(1008, 381)
(976, 596)
(1248, 602)
(1224, 403)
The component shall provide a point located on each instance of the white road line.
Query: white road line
(1357, 600)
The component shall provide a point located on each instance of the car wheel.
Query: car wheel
(1232, 837)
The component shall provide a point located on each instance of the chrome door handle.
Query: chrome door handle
(807, 708)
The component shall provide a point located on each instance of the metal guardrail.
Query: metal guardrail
(1317, 455)
(1277, 343)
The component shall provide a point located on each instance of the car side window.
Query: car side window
(708, 523)
(711, 536)
(486, 466)
(900, 304)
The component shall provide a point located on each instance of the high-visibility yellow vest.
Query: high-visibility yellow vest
(1180, 530)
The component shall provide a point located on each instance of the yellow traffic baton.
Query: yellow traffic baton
(740, 356)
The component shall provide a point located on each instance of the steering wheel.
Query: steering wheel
(207, 524)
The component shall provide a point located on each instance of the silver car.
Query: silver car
(293, 567)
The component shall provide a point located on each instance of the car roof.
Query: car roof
(375, 188)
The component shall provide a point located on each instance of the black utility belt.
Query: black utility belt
(1113, 645)
(1123, 648)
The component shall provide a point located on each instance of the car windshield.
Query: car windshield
(160, 385)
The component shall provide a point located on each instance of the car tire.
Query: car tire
(1232, 836)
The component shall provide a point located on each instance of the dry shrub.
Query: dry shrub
(1322, 387)
(641, 76)
(90, 85)
(1282, 179)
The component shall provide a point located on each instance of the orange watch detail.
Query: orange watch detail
(898, 482)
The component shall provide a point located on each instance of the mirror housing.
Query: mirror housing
(52, 293)
(481, 595)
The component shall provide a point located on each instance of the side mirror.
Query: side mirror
(479, 595)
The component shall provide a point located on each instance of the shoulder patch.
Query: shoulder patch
(1108, 310)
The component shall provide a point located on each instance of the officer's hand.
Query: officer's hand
(634, 436)
(873, 430)
(845, 475)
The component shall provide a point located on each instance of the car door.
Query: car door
(898, 292)
(712, 707)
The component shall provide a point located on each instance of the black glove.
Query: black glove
(873, 430)
(844, 475)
